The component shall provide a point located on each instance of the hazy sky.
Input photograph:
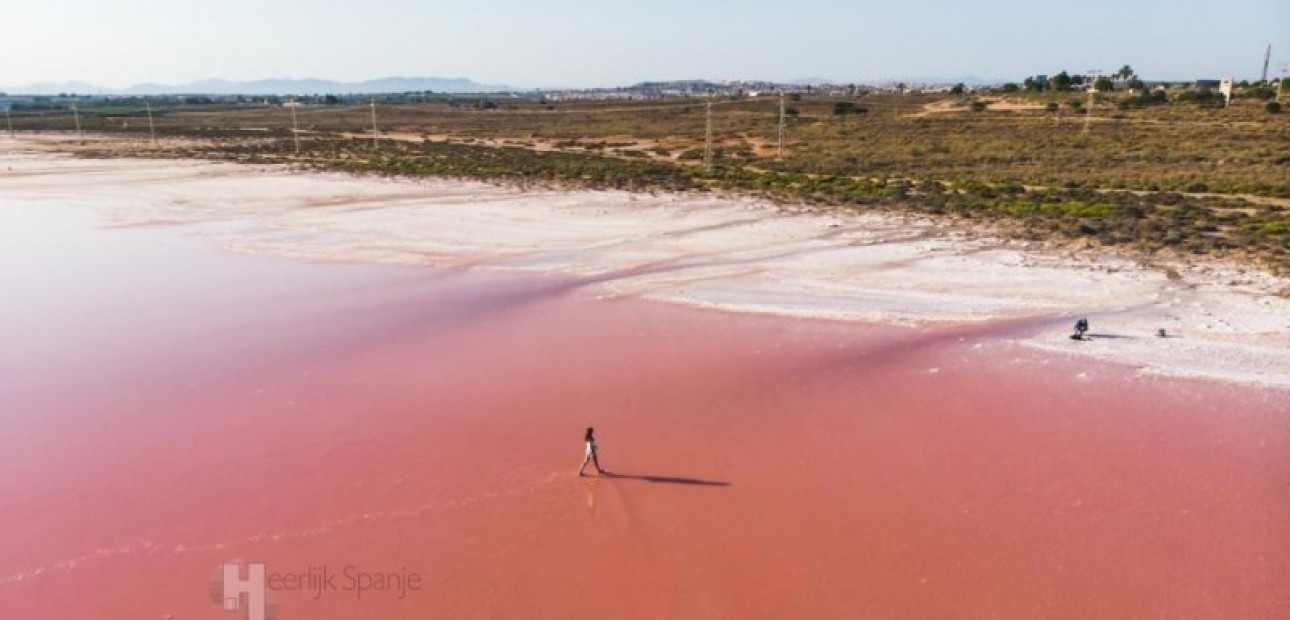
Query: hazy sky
(596, 42)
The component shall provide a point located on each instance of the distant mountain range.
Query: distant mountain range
(268, 87)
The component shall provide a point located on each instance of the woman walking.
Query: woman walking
(590, 438)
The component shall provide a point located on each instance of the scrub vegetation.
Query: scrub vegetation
(1159, 172)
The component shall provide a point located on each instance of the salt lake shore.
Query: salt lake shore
(1223, 321)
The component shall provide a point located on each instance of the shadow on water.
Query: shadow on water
(667, 479)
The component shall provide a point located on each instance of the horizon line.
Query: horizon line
(33, 88)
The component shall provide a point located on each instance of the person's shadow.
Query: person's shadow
(667, 479)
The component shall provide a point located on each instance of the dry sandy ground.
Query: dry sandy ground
(1224, 322)
(942, 107)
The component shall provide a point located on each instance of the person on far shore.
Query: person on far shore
(1081, 327)
(592, 456)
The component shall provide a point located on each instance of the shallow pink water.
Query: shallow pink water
(166, 407)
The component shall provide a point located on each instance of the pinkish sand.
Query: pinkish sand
(167, 407)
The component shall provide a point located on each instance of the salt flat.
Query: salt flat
(1224, 321)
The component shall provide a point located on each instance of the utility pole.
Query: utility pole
(77, 115)
(374, 131)
(1281, 82)
(779, 156)
(295, 127)
(8, 120)
(1092, 93)
(707, 138)
(152, 128)
(1267, 55)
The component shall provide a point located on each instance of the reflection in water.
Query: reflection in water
(590, 488)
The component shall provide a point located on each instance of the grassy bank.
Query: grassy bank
(1176, 179)
(1182, 146)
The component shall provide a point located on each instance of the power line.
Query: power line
(779, 155)
(295, 127)
(707, 138)
(1093, 76)
(77, 115)
(152, 128)
(1282, 81)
